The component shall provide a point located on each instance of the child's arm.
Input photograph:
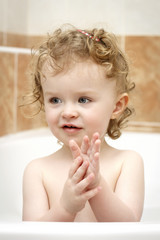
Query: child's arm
(73, 199)
(126, 202)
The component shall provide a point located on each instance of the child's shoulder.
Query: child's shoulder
(131, 158)
(127, 156)
(34, 167)
(132, 155)
(128, 152)
(37, 165)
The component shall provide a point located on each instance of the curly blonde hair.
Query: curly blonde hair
(67, 44)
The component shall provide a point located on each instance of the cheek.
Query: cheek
(50, 116)
(52, 122)
(102, 112)
(98, 120)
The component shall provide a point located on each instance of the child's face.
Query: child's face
(79, 101)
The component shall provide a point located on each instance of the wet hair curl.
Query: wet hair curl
(66, 45)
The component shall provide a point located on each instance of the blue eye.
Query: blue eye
(83, 100)
(55, 100)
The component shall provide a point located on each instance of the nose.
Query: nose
(69, 111)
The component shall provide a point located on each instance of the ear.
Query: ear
(120, 106)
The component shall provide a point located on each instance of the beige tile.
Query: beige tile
(144, 53)
(33, 41)
(1, 38)
(16, 40)
(22, 41)
(7, 97)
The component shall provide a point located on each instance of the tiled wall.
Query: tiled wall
(144, 55)
(144, 52)
(14, 84)
(23, 23)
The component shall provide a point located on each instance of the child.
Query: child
(81, 82)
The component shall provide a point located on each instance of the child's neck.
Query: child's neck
(65, 151)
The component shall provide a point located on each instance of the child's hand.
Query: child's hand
(76, 192)
(89, 152)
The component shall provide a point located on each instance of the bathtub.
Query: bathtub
(16, 150)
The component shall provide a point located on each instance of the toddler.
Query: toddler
(81, 82)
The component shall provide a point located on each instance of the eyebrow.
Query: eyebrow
(81, 92)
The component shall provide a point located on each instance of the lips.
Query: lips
(69, 125)
(71, 128)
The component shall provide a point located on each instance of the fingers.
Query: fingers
(85, 145)
(95, 161)
(76, 164)
(78, 169)
(89, 152)
(94, 147)
(77, 175)
(91, 193)
(94, 137)
(82, 187)
(80, 173)
(75, 150)
(96, 142)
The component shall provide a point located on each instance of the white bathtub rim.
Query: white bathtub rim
(34, 133)
(74, 228)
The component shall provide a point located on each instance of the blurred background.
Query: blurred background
(24, 23)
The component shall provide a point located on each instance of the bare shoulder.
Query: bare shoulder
(132, 164)
(36, 166)
(131, 156)
(128, 160)
(32, 171)
(126, 156)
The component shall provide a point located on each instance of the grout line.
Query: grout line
(15, 50)
(15, 93)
